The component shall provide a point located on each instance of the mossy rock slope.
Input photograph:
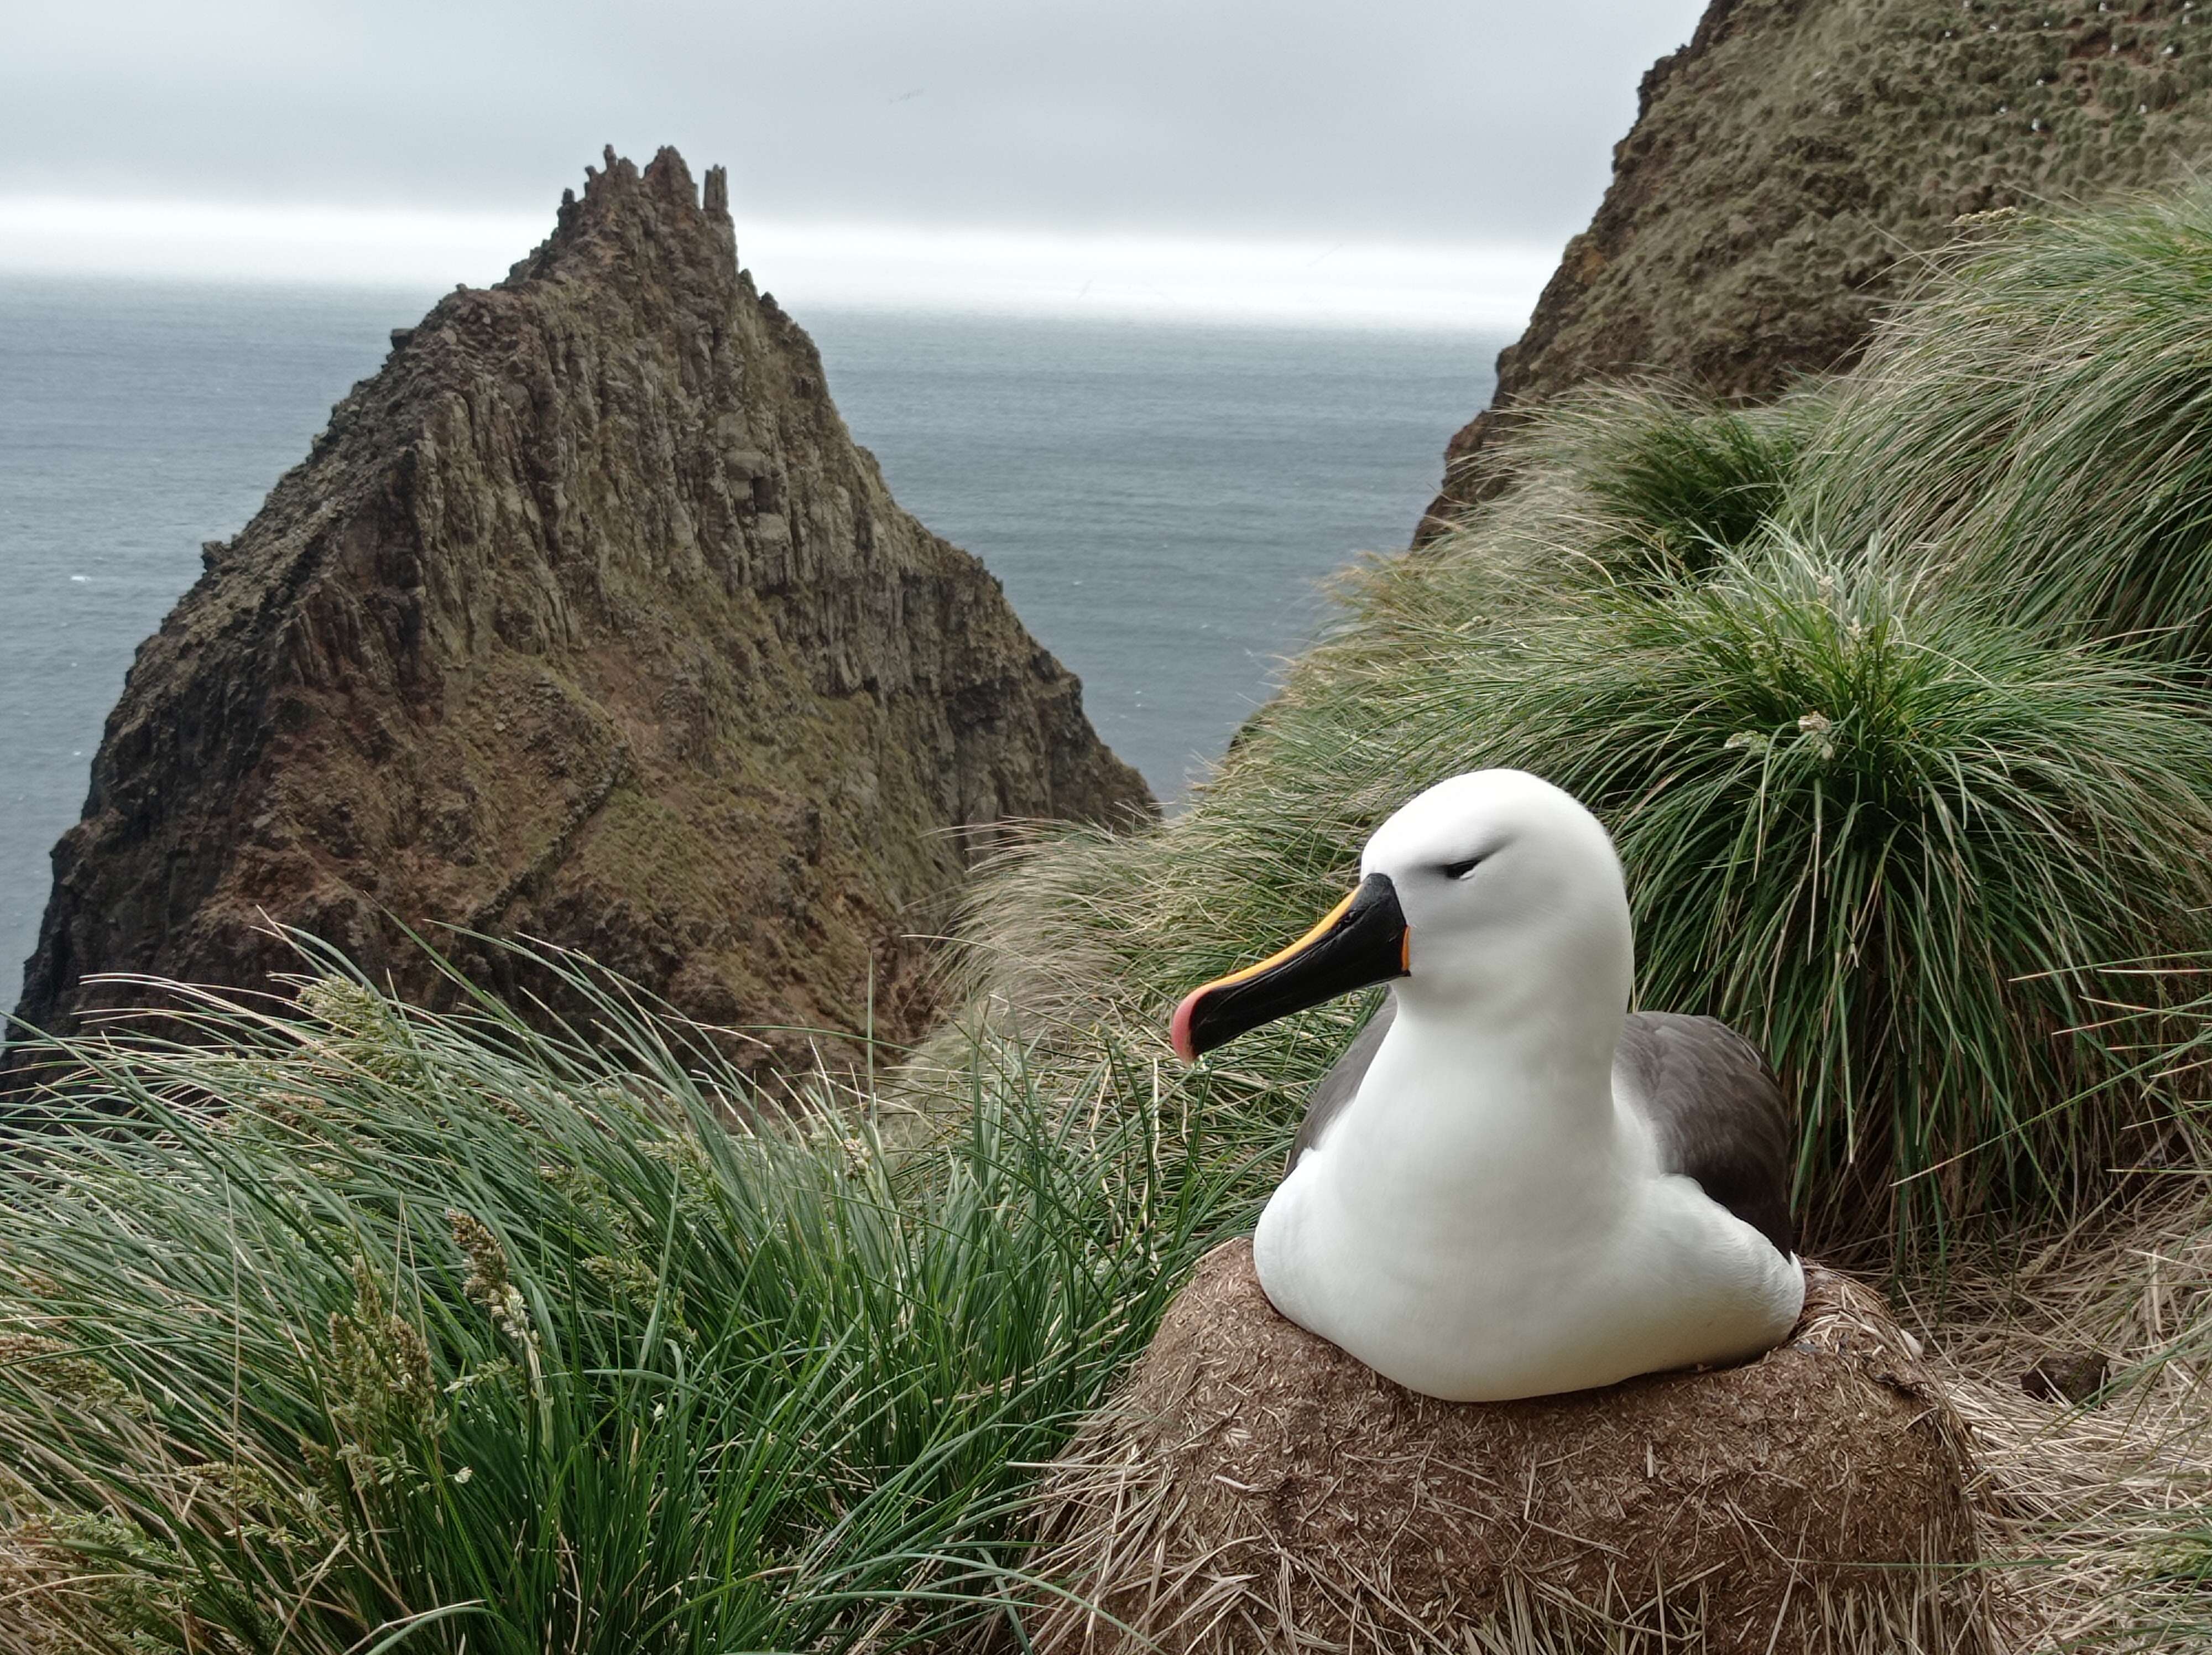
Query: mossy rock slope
(1789, 166)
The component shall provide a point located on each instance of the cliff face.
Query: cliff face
(585, 620)
(1787, 164)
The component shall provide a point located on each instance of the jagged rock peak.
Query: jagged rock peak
(630, 205)
(585, 619)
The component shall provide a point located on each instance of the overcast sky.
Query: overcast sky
(990, 130)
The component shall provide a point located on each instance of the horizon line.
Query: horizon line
(828, 265)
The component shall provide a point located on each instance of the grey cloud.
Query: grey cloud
(1393, 117)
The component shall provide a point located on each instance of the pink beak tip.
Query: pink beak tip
(1179, 1026)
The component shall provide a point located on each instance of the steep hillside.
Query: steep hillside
(1787, 165)
(584, 620)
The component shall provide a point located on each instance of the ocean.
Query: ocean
(1163, 501)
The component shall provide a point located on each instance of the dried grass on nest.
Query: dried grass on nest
(1254, 1487)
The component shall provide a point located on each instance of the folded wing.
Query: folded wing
(1716, 1112)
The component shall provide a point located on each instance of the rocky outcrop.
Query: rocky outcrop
(1788, 165)
(585, 620)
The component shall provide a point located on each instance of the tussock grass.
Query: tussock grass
(2039, 422)
(1654, 484)
(1888, 693)
(1630, 490)
(1635, 485)
(1875, 827)
(376, 1323)
(443, 1334)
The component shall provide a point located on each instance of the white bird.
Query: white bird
(1511, 1185)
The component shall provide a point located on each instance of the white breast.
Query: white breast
(1479, 1253)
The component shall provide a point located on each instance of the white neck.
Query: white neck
(1482, 1118)
(1552, 1063)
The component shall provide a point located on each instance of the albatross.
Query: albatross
(1511, 1185)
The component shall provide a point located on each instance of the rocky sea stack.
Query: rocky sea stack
(585, 620)
(1792, 165)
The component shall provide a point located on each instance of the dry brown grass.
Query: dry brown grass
(2093, 1515)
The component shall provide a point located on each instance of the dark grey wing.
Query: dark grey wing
(1717, 1112)
(1337, 1086)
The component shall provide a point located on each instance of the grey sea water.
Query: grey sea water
(1162, 501)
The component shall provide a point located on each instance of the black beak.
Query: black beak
(1362, 940)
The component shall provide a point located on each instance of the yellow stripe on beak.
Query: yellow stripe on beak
(1322, 928)
(1363, 940)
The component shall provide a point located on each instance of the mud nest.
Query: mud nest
(1253, 1487)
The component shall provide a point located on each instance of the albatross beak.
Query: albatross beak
(1363, 940)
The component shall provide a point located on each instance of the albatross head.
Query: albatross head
(1493, 899)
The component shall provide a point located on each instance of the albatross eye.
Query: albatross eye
(1460, 870)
